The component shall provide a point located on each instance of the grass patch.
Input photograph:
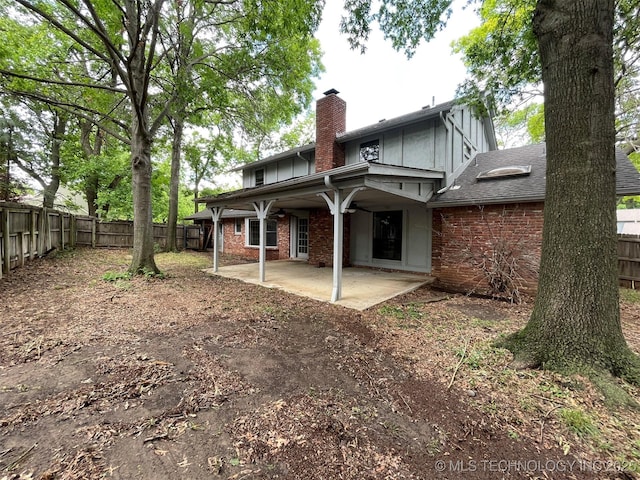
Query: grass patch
(410, 315)
(183, 259)
(578, 422)
(630, 296)
(116, 276)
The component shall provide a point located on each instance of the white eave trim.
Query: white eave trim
(310, 183)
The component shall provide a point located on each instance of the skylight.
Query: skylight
(505, 172)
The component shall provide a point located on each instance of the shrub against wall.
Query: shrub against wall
(491, 250)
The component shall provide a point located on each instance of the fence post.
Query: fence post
(3, 240)
(73, 231)
(42, 231)
(7, 241)
(93, 232)
(20, 248)
(6, 234)
(33, 231)
(61, 217)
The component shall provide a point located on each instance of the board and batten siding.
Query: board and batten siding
(416, 241)
(429, 144)
(280, 170)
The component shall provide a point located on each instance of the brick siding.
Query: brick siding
(465, 237)
(321, 238)
(235, 244)
(331, 118)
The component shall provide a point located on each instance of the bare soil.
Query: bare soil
(193, 377)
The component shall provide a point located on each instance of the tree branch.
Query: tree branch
(63, 83)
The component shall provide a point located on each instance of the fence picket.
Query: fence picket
(27, 232)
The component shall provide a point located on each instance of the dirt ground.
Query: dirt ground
(194, 377)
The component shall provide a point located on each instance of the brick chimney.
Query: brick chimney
(331, 119)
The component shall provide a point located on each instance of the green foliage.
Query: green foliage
(405, 24)
(521, 127)
(409, 315)
(632, 201)
(115, 276)
(630, 296)
(578, 422)
(501, 55)
(243, 67)
(117, 203)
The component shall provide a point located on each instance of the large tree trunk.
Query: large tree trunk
(575, 324)
(174, 187)
(143, 252)
(92, 182)
(51, 188)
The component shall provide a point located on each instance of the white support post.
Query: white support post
(216, 215)
(262, 209)
(338, 246)
(338, 234)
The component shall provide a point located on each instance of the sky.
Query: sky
(383, 83)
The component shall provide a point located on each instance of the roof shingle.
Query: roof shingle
(525, 188)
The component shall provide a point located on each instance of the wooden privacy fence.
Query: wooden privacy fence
(629, 260)
(27, 232)
(94, 233)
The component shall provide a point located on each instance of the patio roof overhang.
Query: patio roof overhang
(385, 185)
(374, 185)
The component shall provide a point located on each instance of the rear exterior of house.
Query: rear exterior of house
(427, 192)
(387, 225)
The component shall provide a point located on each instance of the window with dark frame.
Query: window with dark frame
(259, 177)
(370, 151)
(253, 237)
(238, 226)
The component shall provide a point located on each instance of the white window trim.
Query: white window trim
(247, 234)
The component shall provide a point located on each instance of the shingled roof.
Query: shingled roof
(468, 190)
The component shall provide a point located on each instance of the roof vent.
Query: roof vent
(505, 172)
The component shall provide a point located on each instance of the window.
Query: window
(259, 177)
(238, 226)
(387, 235)
(370, 151)
(253, 237)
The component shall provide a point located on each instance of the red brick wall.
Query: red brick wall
(467, 238)
(235, 244)
(331, 118)
(321, 238)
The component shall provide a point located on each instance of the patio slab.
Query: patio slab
(362, 288)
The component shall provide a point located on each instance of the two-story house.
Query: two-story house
(409, 193)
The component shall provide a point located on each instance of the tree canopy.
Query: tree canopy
(125, 67)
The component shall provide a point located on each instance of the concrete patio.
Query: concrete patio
(362, 288)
